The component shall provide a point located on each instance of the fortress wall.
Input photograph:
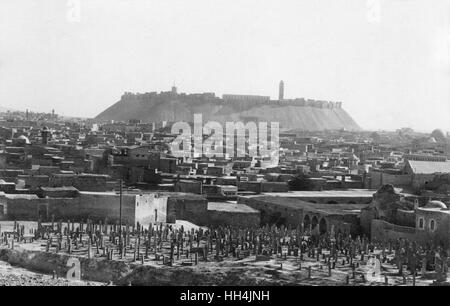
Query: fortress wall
(311, 115)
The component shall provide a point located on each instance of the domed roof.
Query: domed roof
(23, 137)
(436, 204)
(438, 134)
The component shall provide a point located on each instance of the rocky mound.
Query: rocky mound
(158, 108)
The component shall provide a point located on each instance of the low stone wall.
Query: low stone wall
(384, 231)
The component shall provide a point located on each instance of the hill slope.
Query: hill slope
(164, 108)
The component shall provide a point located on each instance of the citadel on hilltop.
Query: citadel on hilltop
(172, 106)
(236, 99)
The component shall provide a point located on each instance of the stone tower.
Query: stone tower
(45, 134)
(281, 91)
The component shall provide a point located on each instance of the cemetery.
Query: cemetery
(185, 254)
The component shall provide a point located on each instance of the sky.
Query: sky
(388, 61)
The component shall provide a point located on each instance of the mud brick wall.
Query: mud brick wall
(274, 187)
(151, 208)
(3, 207)
(47, 170)
(233, 218)
(58, 193)
(35, 181)
(188, 186)
(62, 180)
(167, 165)
(98, 207)
(91, 183)
(249, 186)
(405, 218)
(81, 182)
(10, 175)
(194, 210)
(8, 187)
(25, 209)
(272, 213)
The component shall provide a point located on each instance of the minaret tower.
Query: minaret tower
(174, 90)
(281, 91)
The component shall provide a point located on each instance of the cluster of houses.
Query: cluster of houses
(54, 168)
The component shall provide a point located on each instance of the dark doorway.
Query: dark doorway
(323, 226)
(314, 222)
(43, 212)
(306, 223)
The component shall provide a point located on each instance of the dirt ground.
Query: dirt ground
(17, 276)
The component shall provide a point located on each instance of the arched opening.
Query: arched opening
(277, 219)
(421, 223)
(432, 225)
(323, 226)
(332, 202)
(314, 222)
(306, 223)
(263, 217)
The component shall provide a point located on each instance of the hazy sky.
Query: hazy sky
(387, 60)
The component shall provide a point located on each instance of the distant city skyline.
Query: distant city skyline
(387, 61)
